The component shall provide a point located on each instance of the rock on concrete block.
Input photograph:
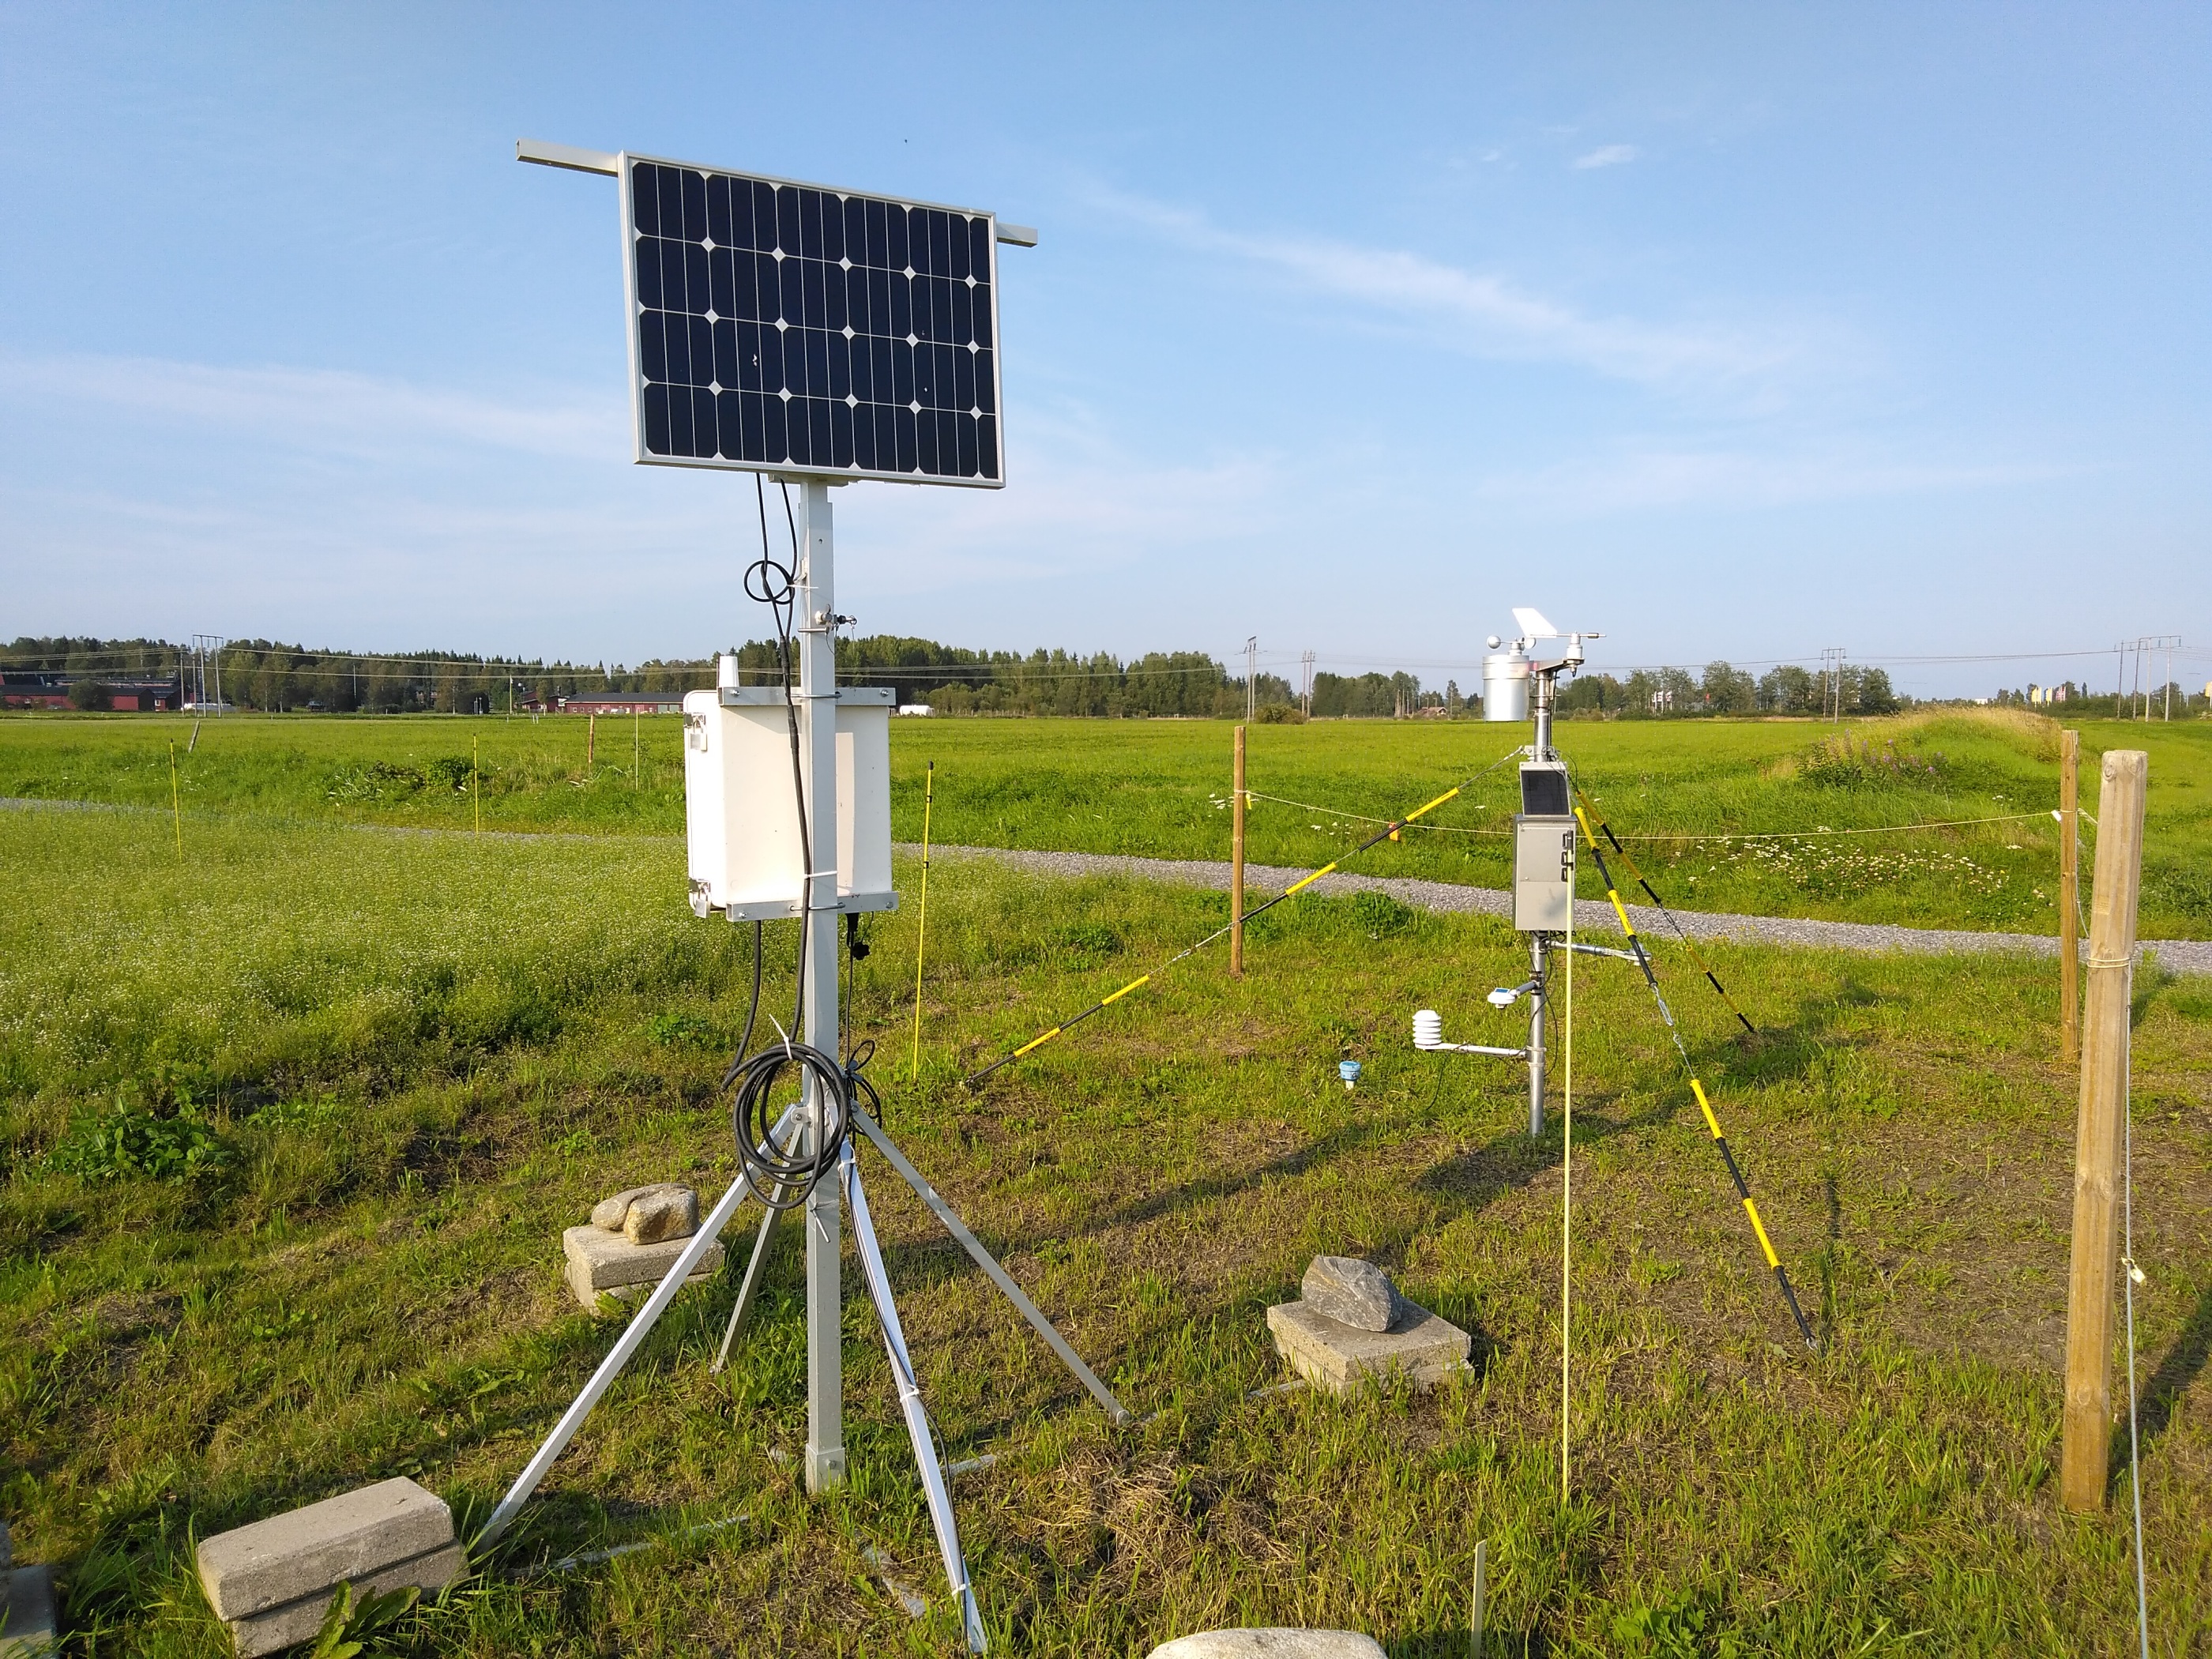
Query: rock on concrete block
(663, 1212)
(609, 1214)
(601, 1261)
(1335, 1355)
(1352, 1292)
(1278, 1643)
(308, 1553)
(29, 1630)
(298, 1621)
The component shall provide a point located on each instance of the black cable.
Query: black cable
(752, 1009)
(780, 1179)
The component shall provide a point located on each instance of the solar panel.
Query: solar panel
(793, 328)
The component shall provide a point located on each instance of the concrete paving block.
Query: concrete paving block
(1334, 1356)
(627, 1293)
(298, 1621)
(603, 1260)
(308, 1551)
(1276, 1643)
(27, 1629)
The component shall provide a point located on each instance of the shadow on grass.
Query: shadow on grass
(2183, 1364)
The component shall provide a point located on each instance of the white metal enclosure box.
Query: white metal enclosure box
(741, 814)
(1543, 871)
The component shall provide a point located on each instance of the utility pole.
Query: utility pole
(1832, 682)
(1305, 684)
(1251, 677)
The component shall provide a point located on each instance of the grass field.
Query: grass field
(1160, 787)
(292, 1125)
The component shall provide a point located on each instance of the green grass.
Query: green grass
(411, 1060)
(1160, 787)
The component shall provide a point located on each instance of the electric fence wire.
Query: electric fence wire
(1763, 835)
(1390, 832)
(2130, 1276)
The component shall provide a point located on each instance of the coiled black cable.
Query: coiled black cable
(779, 1179)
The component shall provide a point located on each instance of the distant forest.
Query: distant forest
(264, 674)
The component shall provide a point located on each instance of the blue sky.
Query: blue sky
(1728, 331)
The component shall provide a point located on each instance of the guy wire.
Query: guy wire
(1698, 1089)
(1389, 832)
(1696, 956)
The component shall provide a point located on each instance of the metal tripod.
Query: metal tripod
(797, 1122)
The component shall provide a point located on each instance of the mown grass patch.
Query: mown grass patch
(427, 1054)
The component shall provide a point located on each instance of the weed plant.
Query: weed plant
(422, 1056)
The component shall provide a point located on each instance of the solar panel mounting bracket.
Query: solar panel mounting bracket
(568, 156)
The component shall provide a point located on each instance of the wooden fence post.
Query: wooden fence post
(2088, 1423)
(1236, 862)
(2070, 897)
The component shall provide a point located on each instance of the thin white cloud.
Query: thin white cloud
(328, 410)
(1488, 315)
(1606, 155)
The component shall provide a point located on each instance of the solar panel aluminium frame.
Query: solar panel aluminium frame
(633, 345)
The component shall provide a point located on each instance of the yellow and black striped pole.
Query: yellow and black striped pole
(1387, 832)
(1698, 1089)
(1696, 955)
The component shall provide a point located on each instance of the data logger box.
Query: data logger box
(1543, 851)
(741, 816)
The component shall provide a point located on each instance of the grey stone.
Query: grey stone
(298, 1621)
(606, 1261)
(661, 1213)
(27, 1627)
(1275, 1644)
(1352, 1292)
(609, 1214)
(1335, 1355)
(308, 1552)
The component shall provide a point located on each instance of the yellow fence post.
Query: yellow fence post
(2070, 897)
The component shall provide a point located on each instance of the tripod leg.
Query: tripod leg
(633, 1337)
(751, 1288)
(997, 1275)
(909, 1394)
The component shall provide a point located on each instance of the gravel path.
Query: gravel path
(2175, 955)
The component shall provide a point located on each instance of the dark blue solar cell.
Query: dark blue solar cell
(698, 291)
(833, 298)
(948, 383)
(795, 362)
(817, 364)
(941, 314)
(878, 244)
(981, 304)
(817, 430)
(703, 350)
(864, 437)
(744, 298)
(676, 360)
(856, 229)
(886, 437)
(723, 284)
(963, 314)
(963, 377)
(705, 436)
(652, 346)
(787, 218)
(726, 372)
(747, 343)
(897, 253)
(833, 228)
(987, 386)
(925, 442)
(672, 275)
(655, 402)
(979, 248)
(679, 421)
(729, 426)
(940, 243)
(898, 294)
(645, 196)
(809, 224)
(770, 339)
(741, 214)
(694, 188)
(861, 361)
(751, 439)
(775, 442)
(814, 310)
(841, 436)
(792, 284)
(764, 216)
(718, 210)
(798, 432)
(986, 445)
(905, 442)
(856, 300)
(903, 386)
(880, 368)
(840, 365)
(963, 432)
(956, 263)
(646, 256)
